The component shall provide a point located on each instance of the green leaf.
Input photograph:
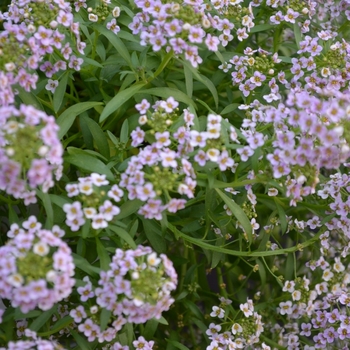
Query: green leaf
(117, 43)
(85, 266)
(230, 108)
(19, 314)
(81, 341)
(211, 87)
(163, 64)
(13, 217)
(238, 212)
(166, 92)
(124, 235)
(103, 255)
(60, 201)
(261, 28)
(205, 81)
(92, 62)
(29, 98)
(67, 118)
(45, 198)
(98, 135)
(124, 132)
(60, 91)
(188, 80)
(154, 236)
(150, 328)
(105, 318)
(177, 345)
(128, 208)
(282, 216)
(297, 34)
(42, 319)
(119, 99)
(60, 324)
(262, 272)
(89, 163)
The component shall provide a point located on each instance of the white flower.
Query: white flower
(217, 312)
(152, 259)
(16, 280)
(93, 17)
(41, 248)
(237, 328)
(116, 12)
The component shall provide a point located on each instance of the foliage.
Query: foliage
(174, 175)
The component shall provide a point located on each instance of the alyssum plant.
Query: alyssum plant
(174, 175)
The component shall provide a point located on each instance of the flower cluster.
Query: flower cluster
(30, 152)
(135, 289)
(37, 35)
(36, 266)
(182, 27)
(317, 312)
(240, 334)
(94, 202)
(167, 164)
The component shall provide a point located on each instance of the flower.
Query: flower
(30, 151)
(38, 271)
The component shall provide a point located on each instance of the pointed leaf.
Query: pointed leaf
(124, 235)
(119, 99)
(60, 91)
(238, 212)
(98, 135)
(67, 118)
(89, 163)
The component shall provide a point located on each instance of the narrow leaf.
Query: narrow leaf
(124, 132)
(124, 235)
(297, 34)
(81, 341)
(103, 255)
(154, 236)
(67, 118)
(85, 266)
(60, 91)
(129, 208)
(89, 163)
(189, 81)
(230, 108)
(238, 212)
(105, 318)
(117, 43)
(45, 198)
(98, 135)
(42, 319)
(119, 99)
(282, 217)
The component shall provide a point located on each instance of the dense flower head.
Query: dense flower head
(183, 27)
(30, 152)
(36, 267)
(167, 165)
(135, 289)
(37, 35)
(95, 202)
